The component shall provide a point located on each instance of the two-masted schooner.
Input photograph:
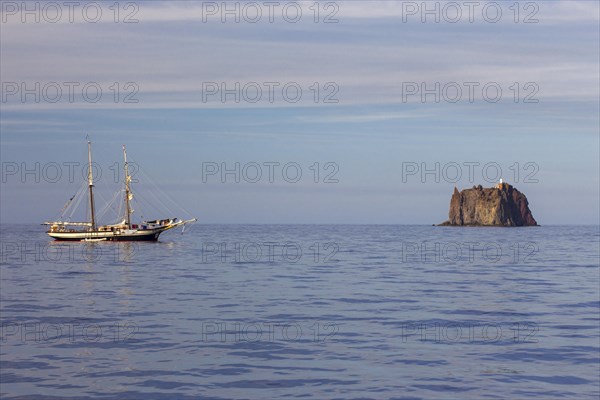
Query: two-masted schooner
(124, 230)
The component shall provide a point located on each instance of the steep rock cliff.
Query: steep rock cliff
(502, 205)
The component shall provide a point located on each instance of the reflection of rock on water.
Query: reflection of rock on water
(502, 205)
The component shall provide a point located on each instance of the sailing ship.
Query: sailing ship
(124, 230)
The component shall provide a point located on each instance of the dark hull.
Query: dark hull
(140, 238)
(151, 236)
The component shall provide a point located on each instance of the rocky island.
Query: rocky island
(502, 205)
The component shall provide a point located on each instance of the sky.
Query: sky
(303, 112)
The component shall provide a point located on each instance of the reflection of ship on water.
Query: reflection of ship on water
(124, 230)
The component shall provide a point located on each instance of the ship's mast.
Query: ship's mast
(90, 186)
(127, 191)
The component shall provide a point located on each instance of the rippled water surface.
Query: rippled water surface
(311, 311)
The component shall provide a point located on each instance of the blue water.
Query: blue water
(303, 311)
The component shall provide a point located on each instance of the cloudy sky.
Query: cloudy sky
(383, 107)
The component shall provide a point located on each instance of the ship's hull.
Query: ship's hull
(123, 236)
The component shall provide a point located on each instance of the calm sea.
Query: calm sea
(303, 311)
